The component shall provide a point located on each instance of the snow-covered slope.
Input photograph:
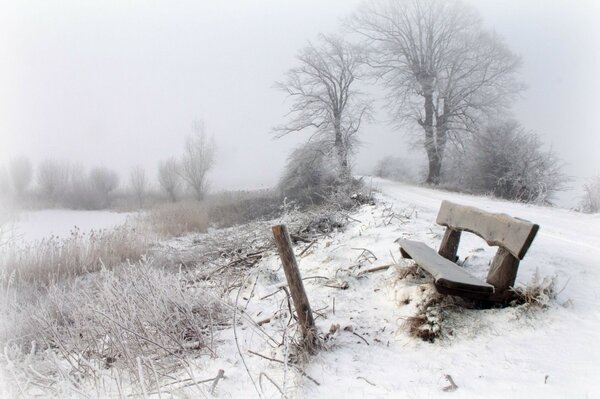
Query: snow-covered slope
(497, 353)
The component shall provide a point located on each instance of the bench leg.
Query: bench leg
(449, 245)
(503, 271)
(404, 254)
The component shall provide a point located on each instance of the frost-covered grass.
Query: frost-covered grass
(129, 330)
(57, 258)
(178, 218)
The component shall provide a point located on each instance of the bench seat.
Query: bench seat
(447, 275)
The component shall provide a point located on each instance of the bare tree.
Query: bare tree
(168, 177)
(104, 181)
(590, 201)
(21, 173)
(325, 98)
(53, 179)
(197, 160)
(442, 69)
(139, 183)
(4, 182)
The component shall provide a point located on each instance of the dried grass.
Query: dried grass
(55, 259)
(124, 327)
(537, 293)
(178, 218)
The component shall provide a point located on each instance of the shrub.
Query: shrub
(309, 176)
(590, 201)
(395, 168)
(506, 161)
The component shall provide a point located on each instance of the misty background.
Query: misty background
(119, 83)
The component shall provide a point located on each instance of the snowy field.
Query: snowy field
(514, 352)
(518, 352)
(31, 226)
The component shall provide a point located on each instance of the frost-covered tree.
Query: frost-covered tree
(168, 177)
(309, 173)
(197, 160)
(53, 179)
(21, 172)
(443, 71)
(104, 181)
(508, 162)
(324, 96)
(590, 201)
(4, 182)
(139, 183)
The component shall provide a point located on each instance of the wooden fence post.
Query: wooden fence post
(294, 279)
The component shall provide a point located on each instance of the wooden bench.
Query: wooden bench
(512, 236)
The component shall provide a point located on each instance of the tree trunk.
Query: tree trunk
(341, 152)
(441, 137)
(433, 176)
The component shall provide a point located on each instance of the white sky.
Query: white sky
(119, 83)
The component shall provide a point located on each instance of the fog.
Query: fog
(119, 83)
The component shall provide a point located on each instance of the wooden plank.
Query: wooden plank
(446, 274)
(497, 229)
(294, 279)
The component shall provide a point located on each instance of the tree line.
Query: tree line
(58, 183)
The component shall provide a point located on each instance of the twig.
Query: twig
(307, 248)
(376, 269)
(361, 337)
(237, 343)
(367, 381)
(263, 374)
(282, 362)
(452, 387)
(220, 375)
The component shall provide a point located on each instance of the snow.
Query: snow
(33, 226)
(495, 353)
(514, 352)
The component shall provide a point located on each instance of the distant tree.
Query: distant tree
(5, 189)
(53, 179)
(590, 201)
(21, 173)
(443, 71)
(395, 168)
(139, 184)
(104, 181)
(81, 194)
(325, 98)
(508, 162)
(197, 160)
(168, 177)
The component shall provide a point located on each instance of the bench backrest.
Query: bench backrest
(497, 229)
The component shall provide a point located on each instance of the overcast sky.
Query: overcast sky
(119, 83)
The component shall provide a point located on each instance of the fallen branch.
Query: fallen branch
(452, 387)
(376, 269)
(220, 375)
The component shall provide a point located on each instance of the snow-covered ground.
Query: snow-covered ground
(30, 226)
(497, 353)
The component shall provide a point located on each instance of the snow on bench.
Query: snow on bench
(512, 236)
